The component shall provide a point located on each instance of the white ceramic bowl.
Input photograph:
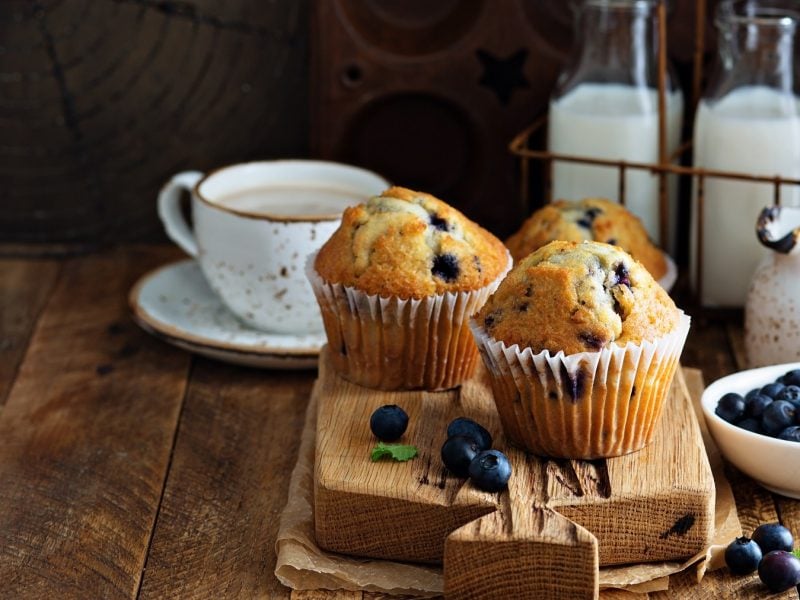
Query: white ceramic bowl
(774, 463)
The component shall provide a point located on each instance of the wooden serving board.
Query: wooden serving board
(545, 537)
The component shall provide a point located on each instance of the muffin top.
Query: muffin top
(577, 297)
(410, 244)
(593, 219)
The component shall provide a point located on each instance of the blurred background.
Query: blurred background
(102, 100)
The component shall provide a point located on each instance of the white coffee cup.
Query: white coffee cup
(254, 226)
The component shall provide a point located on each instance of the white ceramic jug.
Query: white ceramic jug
(772, 311)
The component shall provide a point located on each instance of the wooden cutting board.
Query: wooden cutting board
(545, 537)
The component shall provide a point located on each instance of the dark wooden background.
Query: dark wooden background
(101, 101)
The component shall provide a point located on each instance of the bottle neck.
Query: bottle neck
(617, 43)
(755, 50)
(765, 55)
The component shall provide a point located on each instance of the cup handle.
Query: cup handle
(169, 210)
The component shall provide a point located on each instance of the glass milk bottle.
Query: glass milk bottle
(605, 105)
(748, 121)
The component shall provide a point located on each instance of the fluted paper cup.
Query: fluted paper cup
(400, 344)
(585, 405)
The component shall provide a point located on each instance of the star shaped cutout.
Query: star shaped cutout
(503, 75)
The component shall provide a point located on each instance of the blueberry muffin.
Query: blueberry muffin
(578, 297)
(581, 345)
(593, 219)
(397, 283)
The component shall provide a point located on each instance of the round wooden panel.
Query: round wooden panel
(419, 141)
(411, 27)
(100, 102)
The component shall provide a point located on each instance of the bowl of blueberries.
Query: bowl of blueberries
(754, 417)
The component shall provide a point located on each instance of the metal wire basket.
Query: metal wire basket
(521, 146)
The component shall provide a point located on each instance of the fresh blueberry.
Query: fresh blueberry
(755, 405)
(742, 556)
(772, 389)
(445, 266)
(791, 377)
(490, 470)
(773, 536)
(457, 454)
(388, 422)
(751, 424)
(779, 570)
(791, 393)
(791, 434)
(751, 393)
(469, 428)
(778, 416)
(730, 407)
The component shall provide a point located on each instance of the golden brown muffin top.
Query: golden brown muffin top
(593, 219)
(410, 244)
(577, 297)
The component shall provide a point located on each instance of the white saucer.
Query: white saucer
(175, 303)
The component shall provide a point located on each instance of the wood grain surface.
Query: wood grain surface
(93, 415)
(103, 101)
(235, 448)
(25, 287)
(656, 504)
(87, 433)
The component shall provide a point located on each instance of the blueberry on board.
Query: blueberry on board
(791, 434)
(779, 570)
(730, 407)
(791, 377)
(778, 416)
(742, 556)
(755, 405)
(773, 536)
(490, 470)
(469, 428)
(388, 422)
(772, 389)
(458, 453)
(751, 424)
(445, 266)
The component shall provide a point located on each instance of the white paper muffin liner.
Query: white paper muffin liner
(400, 344)
(585, 405)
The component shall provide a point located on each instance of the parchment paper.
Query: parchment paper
(302, 565)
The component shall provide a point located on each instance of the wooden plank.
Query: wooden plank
(25, 286)
(661, 510)
(236, 445)
(735, 332)
(707, 347)
(87, 432)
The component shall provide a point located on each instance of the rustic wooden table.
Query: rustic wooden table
(131, 469)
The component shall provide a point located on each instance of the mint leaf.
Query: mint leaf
(397, 452)
(796, 552)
